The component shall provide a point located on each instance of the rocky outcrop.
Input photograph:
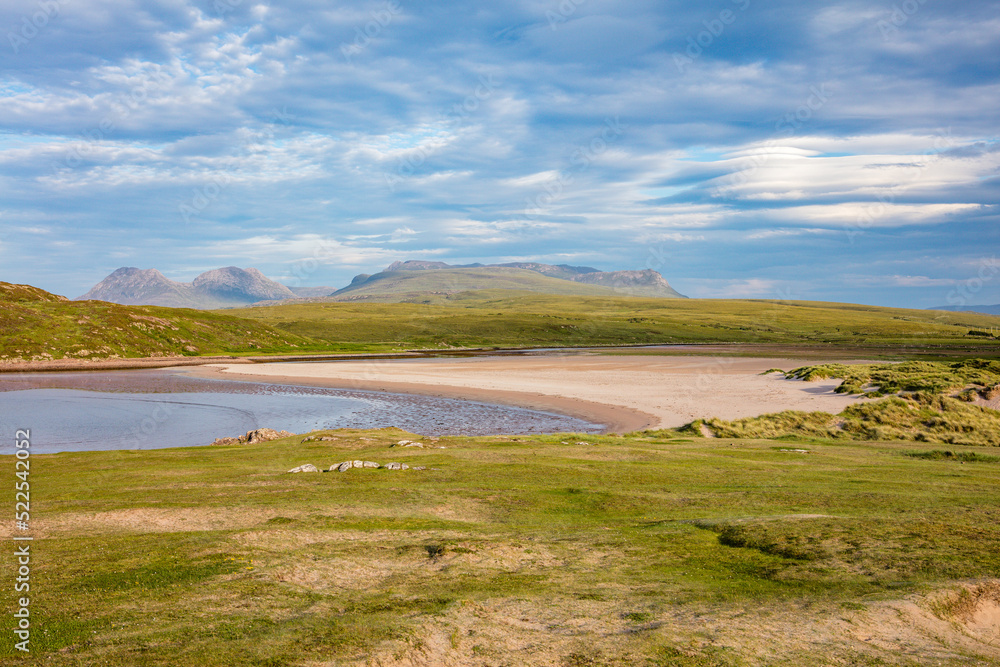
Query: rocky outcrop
(254, 437)
(633, 283)
(308, 467)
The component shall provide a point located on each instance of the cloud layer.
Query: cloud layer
(778, 150)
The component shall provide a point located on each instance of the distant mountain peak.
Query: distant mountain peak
(416, 265)
(217, 288)
(402, 275)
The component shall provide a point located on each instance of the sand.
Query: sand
(624, 393)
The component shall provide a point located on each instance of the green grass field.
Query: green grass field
(38, 326)
(515, 319)
(645, 549)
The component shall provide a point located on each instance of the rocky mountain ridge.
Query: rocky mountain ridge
(219, 288)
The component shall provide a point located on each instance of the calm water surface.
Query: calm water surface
(149, 409)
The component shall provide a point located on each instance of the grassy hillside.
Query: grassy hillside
(645, 550)
(506, 318)
(36, 325)
(419, 286)
(12, 293)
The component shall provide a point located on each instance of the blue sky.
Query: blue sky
(843, 151)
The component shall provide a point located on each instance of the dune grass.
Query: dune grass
(644, 549)
(922, 401)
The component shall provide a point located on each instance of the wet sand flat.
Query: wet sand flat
(624, 392)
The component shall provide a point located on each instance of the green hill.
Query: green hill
(36, 325)
(9, 292)
(507, 318)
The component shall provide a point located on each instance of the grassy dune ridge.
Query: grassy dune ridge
(645, 549)
(917, 400)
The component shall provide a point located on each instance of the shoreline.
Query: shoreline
(613, 418)
(623, 393)
(803, 353)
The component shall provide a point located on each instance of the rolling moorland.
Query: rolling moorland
(653, 548)
(36, 325)
(865, 538)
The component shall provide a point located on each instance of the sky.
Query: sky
(789, 149)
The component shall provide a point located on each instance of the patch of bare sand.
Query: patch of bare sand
(396, 558)
(624, 392)
(154, 520)
(558, 632)
(168, 520)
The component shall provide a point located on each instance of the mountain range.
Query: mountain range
(408, 280)
(235, 287)
(218, 288)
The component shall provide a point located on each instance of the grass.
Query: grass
(926, 402)
(948, 455)
(38, 326)
(979, 375)
(44, 330)
(518, 319)
(644, 549)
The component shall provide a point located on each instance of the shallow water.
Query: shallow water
(150, 409)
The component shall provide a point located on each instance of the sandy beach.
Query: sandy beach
(623, 392)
